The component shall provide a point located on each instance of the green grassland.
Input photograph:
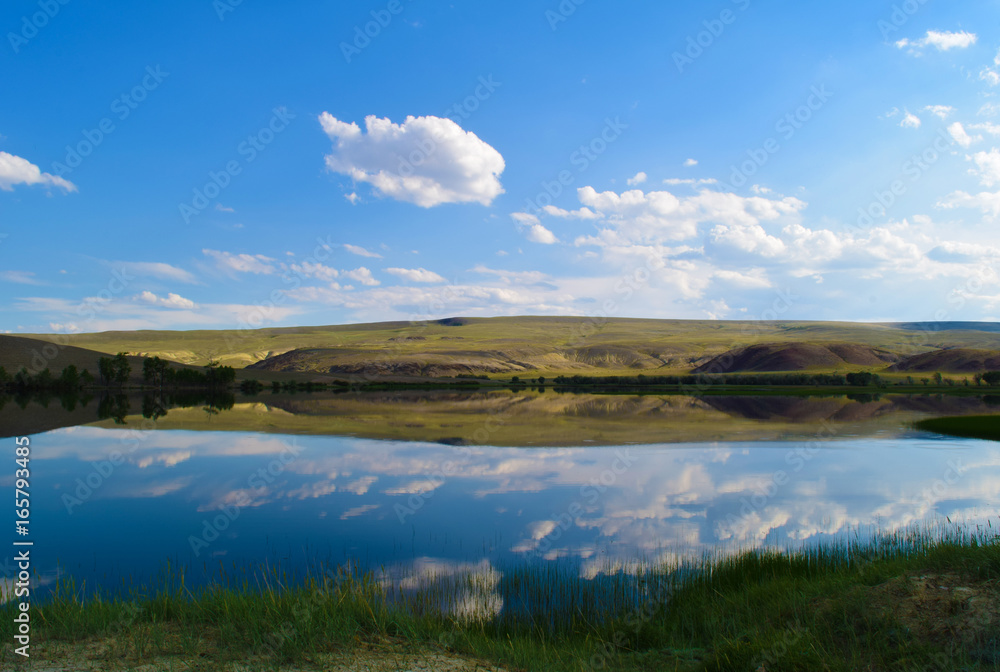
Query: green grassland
(971, 426)
(541, 345)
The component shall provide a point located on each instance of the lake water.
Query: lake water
(111, 502)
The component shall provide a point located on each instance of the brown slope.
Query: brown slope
(794, 357)
(953, 360)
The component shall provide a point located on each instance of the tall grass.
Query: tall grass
(813, 606)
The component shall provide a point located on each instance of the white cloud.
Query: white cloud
(988, 165)
(674, 181)
(957, 132)
(539, 234)
(171, 301)
(754, 279)
(352, 198)
(427, 161)
(362, 275)
(986, 201)
(991, 77)
(582, 213)
(524, 218)
(638, 178)
(14, 170)
(992, 129)
(659, 216)
(19, 277)
(940, 111)
(221, 208)
(416, 274)
(989, 110)
(139, 314)
(512, 277)
(910, 121)
(308, 269)
(940, 40)
(691, 162)
(155, 269)
(361, 252)
(748, 238)
(242, 263)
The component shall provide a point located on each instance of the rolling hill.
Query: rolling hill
(543, 345)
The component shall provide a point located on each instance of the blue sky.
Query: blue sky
(201, 164)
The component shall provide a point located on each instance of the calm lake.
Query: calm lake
(115, 500)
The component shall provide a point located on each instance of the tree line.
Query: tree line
(114, 373)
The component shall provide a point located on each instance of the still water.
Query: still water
(111, 503)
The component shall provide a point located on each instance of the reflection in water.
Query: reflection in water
(504, 417)
(113, 503)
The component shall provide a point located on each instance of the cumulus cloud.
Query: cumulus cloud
(361, 252)
(308, 269)
(539, 234)
(362, 275)
(416, 274)
(659, 216)
(940, 40)
(958, 133)
(15, 170)
(257, 264)
(910, 121)
(524, 218)
(582, 213)
(988, 166)
(691, 162)
(427, 161)
(170, 301)
(940, 111)
(638, 178)
(992, 129)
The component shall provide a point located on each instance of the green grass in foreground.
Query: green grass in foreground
(972, 426)
(904, 601)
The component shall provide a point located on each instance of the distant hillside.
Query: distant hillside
(548, 345)
(796, 357)
(952, 360)
(17, 352)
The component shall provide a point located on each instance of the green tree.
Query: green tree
(106, 369)
(121, 369)
(937, 377)
(70, 378)
(991, 378)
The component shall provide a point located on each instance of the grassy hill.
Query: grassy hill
(546, 346)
